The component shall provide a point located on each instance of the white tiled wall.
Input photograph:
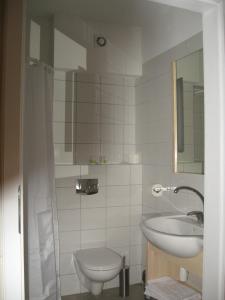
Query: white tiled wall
(109, 116)
(154, 123)
(110, 218)
(94, 117)
(154, 134)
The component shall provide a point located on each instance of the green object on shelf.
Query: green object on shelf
(93, 161)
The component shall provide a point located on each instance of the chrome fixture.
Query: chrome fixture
(158, 189)
(199, 214)
(177, 189)
(87, 186)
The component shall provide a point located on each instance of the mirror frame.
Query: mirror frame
(175, 123)
(174, 77)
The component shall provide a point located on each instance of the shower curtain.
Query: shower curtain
(39, 188)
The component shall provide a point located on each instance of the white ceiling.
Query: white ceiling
(163, 27)
(129, 12)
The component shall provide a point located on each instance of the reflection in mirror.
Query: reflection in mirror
(189, 114)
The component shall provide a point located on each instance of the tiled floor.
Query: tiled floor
(136, 293)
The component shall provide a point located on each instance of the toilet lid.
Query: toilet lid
(100, 259)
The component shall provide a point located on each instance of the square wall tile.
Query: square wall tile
(129, 114)
(112, 153)
(64, 111)
(86, 153)
(69, 241)
(64, 133)
(118, 237)
(88, 92)
(66, 264)
(93, 218)
(112, 114)
(136, 215)
(118, 175)
(118, 195)
(88, 133)
(113, 94)
(129, 134)
(107, 113)
(93, 238)
(84, 170)
(119, 114)
(129, 95)
(67, 171)
(70, 285)
(118, 216)
(65, 181)
(136, 194)
(136, 174)
(67, 198)
(64, 153)
(130, 154)
(69, 220)
(96, 171)
(118, 134)
(94, 201)
(111, 79)
(111, 134)
(136, 255)
(136, 237)
(88, 113)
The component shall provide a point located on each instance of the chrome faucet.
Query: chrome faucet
(199, 214)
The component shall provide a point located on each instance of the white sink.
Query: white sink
(179, 235)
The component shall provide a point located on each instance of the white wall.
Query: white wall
(110, 218)
(94, 117)
(121, 55)
(171, 27)
(154, 132)
(88, 221)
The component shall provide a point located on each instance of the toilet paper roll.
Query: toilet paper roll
(183, 274)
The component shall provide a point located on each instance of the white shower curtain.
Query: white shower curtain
(39, 188)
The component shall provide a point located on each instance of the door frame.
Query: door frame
(1, 147)
(12, 89)
(214, 77)
(212, 12)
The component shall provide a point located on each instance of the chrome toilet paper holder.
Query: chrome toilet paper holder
(87, 186)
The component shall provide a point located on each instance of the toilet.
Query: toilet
(95, 266)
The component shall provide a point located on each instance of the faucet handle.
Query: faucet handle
(199, 215)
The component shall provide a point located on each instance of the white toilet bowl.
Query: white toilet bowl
(96, 266)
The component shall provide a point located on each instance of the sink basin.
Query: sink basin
(179, 235)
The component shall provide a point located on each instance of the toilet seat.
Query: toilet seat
(98, 259)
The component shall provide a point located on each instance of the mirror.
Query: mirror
(189, 114)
